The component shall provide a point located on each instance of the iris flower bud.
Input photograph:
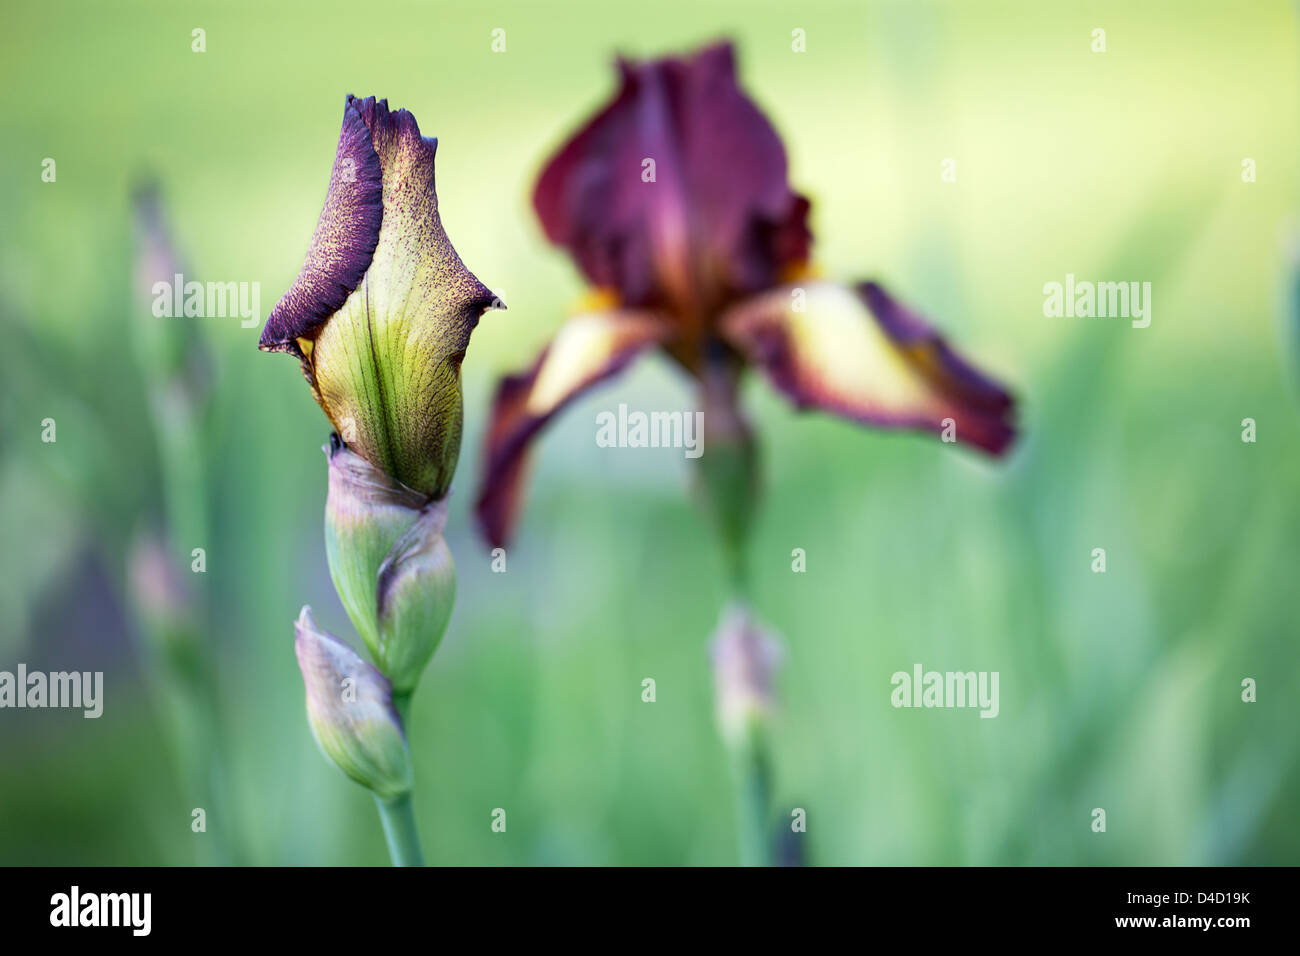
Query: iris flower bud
(414, 596)
(745, 660)
(382, 309)
(350, 709)
(390, 564)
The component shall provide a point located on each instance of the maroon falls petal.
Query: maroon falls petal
(344, 242)
(932, 355)
(855, 352)
(589, 349)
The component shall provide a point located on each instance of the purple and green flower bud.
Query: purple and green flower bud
(381, 312)
(745, 661)
(390, 564)
(350, 709)
(414, 597)
(165, 603)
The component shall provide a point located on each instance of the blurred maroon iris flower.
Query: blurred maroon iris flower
(674, 203)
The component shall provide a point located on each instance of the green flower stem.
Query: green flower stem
(184, 666)
(187, 666)
(186, 696)
(751, 763)
(727, 494)
(402, 704)
(752, 775)
(398, 817)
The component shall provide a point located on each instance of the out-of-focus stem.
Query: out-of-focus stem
(189, 665)
(727, 490)
(174, 360)
(745, 658)
(752, 774)
(398, 817)
(726, 473)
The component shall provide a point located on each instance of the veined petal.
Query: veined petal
(382, 345)
(588, 350)
(857, 352)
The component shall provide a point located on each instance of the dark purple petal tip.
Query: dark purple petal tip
(946, 368)
(346, 233)
(856, 352)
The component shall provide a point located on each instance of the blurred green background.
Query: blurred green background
(1118, 690)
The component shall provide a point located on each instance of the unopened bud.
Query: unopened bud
(350, 709)
(365, 515)
(391, 567)
(745, 659)
(162, 597)
(173, 351)
(382, 310)
(415, 594)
